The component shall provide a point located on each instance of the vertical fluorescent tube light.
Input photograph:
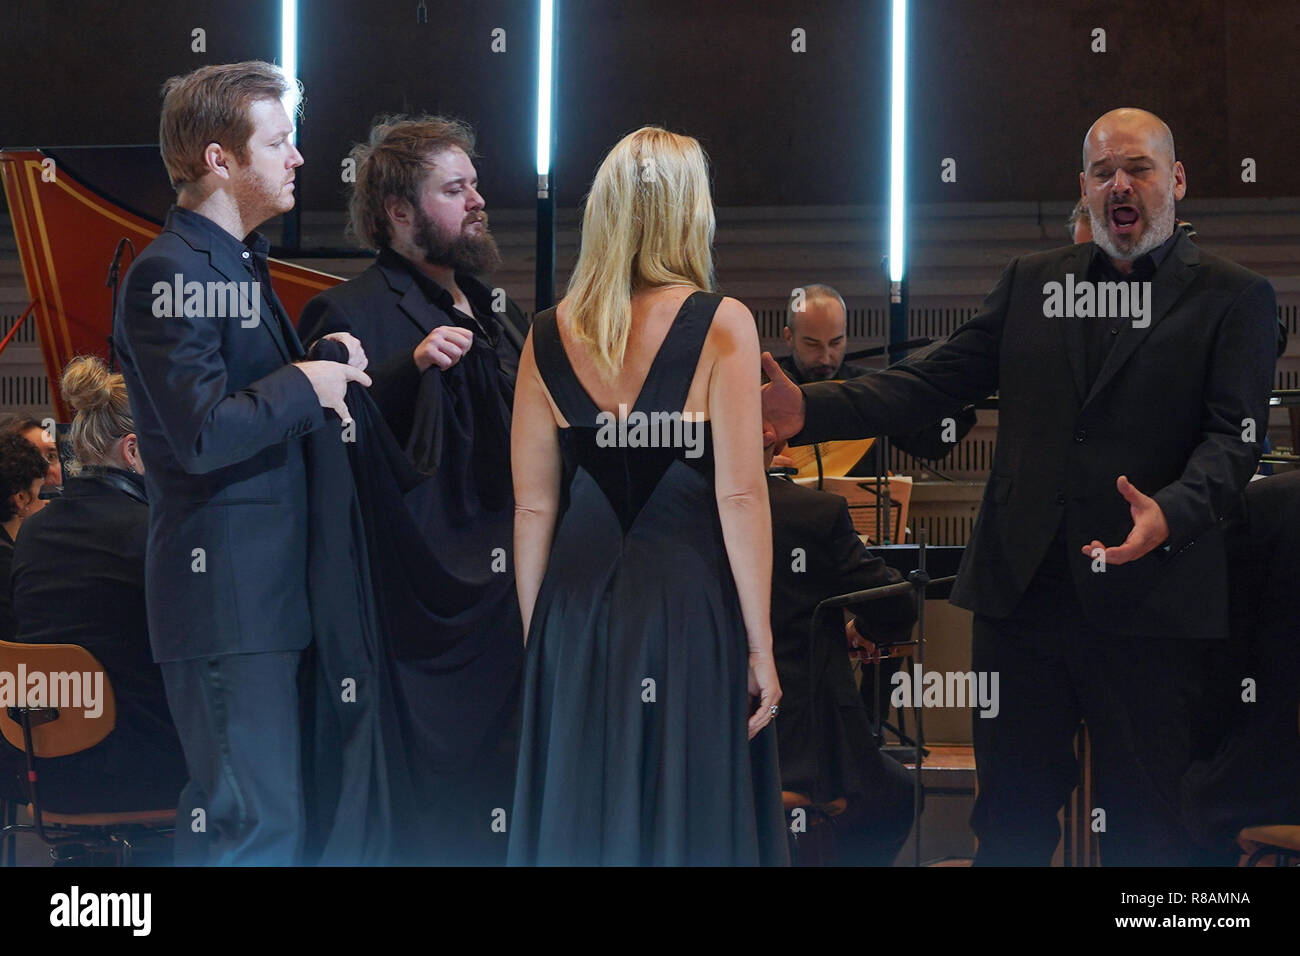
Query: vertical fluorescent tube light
(544, 51)
(289, 56)
(545, 279)
(291, 225)
(897, 141)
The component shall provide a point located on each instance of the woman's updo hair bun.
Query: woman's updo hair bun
(87, 384)
(103, 411)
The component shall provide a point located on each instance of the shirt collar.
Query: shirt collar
(254, 242)
(1144, 266)
(432, 290)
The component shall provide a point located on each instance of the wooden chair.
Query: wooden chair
(1282, 843)
(44, 732)
(1080, 845)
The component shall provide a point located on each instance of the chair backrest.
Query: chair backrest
(63, 676)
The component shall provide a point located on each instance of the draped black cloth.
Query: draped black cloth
(377, 594)
(458, 676)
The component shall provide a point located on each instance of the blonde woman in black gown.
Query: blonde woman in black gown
(643, 555)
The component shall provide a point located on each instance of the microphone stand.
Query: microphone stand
(114, 278)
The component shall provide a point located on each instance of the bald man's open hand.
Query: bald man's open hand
(1150, 529)
(782, 404)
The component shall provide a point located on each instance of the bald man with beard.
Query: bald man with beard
(1097, 569)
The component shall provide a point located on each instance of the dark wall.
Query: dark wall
(1009, 88)
(91, 72)
(780, 127)
(1005, 87)
(359, 60)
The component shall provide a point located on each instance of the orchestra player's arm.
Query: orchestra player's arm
(853, 568)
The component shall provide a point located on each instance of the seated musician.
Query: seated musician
(1251, 774)
(22, 471)
(43, 441)
(827, 749)
(78, 578)
(816, 330)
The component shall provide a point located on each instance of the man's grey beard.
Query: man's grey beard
(473, 255)
(1160, 226)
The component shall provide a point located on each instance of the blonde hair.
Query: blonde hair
(103, 412)
(648, 222)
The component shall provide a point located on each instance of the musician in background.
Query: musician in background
(1078, 227)
(445, 348)
(1251, 774)
(43, 441)
(22, 470)
(825, 736)
(816, 329)
(79, 578)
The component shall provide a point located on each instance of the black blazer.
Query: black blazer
(1253, 775)
(815, 555)
(1167, 410)
(387, 310)
(78, 578)
(7, 626)
(927, 443)
(220, 414)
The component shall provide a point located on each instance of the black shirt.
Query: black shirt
(7, 626)
(253, 252)
(482, 320)
(1100, 334)
(1099, 337)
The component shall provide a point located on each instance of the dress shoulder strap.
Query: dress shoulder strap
(557, 371)
(669, 380)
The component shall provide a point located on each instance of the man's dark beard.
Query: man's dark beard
(474, 255)
(818, 373)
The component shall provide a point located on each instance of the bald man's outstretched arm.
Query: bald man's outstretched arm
(913, 395)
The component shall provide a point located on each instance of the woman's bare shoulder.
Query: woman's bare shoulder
(733, 322)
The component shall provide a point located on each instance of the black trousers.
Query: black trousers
(238, 720)
(1139, 698)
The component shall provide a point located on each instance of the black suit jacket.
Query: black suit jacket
(1253, 775)
(7, 625)
(1167, 409)
(815, 555)
(221, 415)
(78, 578)
(367, 306)
(928, 443)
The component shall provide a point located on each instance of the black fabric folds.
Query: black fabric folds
(467, 410)
(373, 586)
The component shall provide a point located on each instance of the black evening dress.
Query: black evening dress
(633, 746)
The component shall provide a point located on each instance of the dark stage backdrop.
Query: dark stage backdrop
(1005, 88)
